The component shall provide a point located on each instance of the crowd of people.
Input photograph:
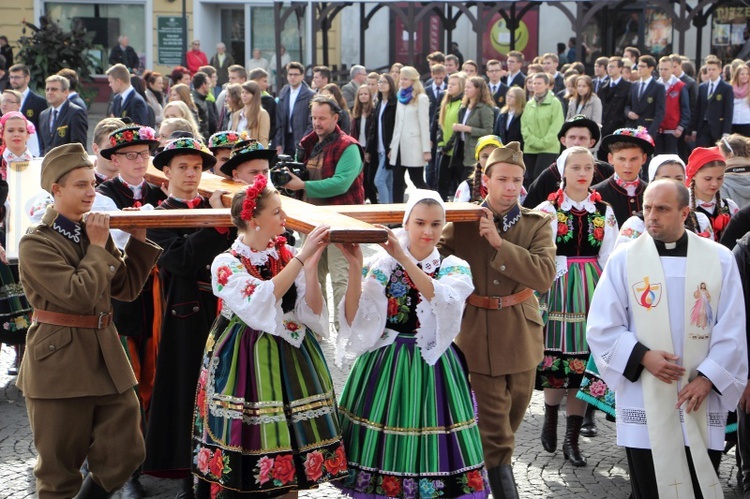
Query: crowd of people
(194, 352)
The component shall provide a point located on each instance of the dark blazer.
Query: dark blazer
(389, 120)
(499, 95)
(301, 123)
(715, 114)
(600, 84)
(559, 83)
(692, 88)
(134, 108)
(614, 100)
(76, 99)
(435, 99)
(33, 106)
(508, 133)
(519, 80)
(269, 104)
(129, 58)
(649, 106)
(71, 126)
(222, 70)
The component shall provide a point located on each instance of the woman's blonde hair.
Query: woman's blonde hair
(412, 74)
(520, 100)
(185, 114)
(183, 92)
(461, 77)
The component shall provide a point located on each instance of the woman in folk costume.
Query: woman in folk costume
(585, 231)
(265, 417)
(15, 312)
(704, 177)
(672, 167)
(406, 411)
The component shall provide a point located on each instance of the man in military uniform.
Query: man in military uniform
(75, 376)
(512, 254)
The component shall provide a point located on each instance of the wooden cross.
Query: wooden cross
(349, 223)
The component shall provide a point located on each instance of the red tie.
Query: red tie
(193, 203)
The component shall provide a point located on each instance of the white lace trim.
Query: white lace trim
(256, 257)
(587, 204)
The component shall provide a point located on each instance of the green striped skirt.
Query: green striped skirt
(265, 418)
(567, 304)
(409, 428)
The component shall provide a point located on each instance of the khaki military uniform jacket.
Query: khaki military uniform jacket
(74, 277)
(507, 341)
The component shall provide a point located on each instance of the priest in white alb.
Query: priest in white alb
(667, 331)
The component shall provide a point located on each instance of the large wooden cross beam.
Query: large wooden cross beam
(349, 223)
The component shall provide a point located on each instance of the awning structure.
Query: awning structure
(684, 14)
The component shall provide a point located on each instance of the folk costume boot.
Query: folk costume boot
(92, 490)
(549, 428)
(570, 445)
(589, 428)
(502, 482)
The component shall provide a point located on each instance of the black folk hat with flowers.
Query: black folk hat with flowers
(184, 146)
(130, 136)
(637, 136)
(245, 151)
(226, 139)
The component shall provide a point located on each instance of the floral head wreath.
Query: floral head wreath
(252, 193)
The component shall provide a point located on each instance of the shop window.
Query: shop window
(108, 21)
(729, 30)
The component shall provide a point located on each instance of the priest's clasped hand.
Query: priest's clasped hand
(694, 393)
(662, 365)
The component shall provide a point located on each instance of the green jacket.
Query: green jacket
(481, 120)
(540, 124)
(445, 132)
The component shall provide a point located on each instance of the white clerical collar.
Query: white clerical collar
(670, 246)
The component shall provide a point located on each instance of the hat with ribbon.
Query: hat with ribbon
(638, 136)
(62, 160)
(245, 151)
(226, 139)
(129, 136)
(699, 158)
(178, 147)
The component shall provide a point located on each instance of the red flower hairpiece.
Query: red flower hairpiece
(252, 193)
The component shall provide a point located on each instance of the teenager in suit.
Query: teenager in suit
(713, 116)
(498, 89)
(293, 110)
(127, 103)
(63, 122)
(515, 77)
(32, 104)
(434, 89)
(615, 95)
(550, 62)
(647, 99)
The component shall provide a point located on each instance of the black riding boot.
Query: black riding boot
(549, 428)
(570, 445)
(502, 483)
(92, 490)
(588, 429)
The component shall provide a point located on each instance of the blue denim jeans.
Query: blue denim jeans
(384, 181)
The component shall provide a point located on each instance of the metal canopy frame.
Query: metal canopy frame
(687, 13)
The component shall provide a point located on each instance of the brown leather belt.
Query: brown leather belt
(499, 302)
(100, 321)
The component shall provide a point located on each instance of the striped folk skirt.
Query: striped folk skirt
(567, 303)
(409, 428)
(265, 418)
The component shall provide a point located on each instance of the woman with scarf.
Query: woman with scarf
(741, 88)
(265, 411)
(447, 117)
(410, 146)
(704, 177)
(15, 312)
(406, 411)
(585, 229)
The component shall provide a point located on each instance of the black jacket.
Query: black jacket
(389, 119)
(269, 104)
(650, 106)
(739, 224)
(71, 126)
(742, 255)
(508, 133)
(133, 108)
(717, 111)
(32, 108)
(614, 99)
(129, 58)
